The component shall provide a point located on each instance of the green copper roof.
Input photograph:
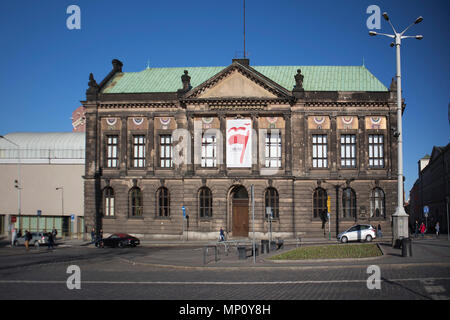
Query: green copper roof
(316, 78)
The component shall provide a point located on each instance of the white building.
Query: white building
(42, 173)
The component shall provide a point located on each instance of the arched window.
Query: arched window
(377, 203)
(108, 202)
(349, 203)
(272, 201)
(135, 202)
(319, 202)
(205, 202)
(162, 196)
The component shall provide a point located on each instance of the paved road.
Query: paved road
(134, 274)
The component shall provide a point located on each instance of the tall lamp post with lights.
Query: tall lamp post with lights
(18, 182)
(399, 218)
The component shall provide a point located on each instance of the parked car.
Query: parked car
(118, 240)
(39, 238)
(357, 233)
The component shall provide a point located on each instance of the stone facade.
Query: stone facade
(236, 92)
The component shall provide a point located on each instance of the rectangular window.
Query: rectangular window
(319, 155)
(112, 155)
(273, 150)
(165, 150)
(376, 151)
(348, 151)
(138, 151)
(209, 151)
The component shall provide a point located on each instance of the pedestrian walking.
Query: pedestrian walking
(28, 237)
(422, 230)
(13, 237)
(93, 235)
(50, 241)
(437, 229)
(221, 235)
(416, 229)
(379, 234)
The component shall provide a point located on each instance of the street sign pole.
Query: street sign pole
(329, 216)
(253, 221)
(184, 218)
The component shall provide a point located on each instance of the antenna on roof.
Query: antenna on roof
(363, 63)
(245, 54)
(148, 64)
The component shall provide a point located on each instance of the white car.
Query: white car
(358, 232)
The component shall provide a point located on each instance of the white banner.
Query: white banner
(239, 143)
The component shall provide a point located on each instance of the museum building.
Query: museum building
(172, 153)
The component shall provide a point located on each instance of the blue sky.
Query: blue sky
(45, 66)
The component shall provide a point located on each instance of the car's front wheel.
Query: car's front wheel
(344, 239)
(369, 238)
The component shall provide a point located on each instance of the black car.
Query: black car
(118, 240)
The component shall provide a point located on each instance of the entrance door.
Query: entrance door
(240, 222)
(240, 218)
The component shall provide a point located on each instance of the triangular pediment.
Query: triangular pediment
(236, 84)
(238, 81)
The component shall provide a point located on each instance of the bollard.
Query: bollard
(406, 247)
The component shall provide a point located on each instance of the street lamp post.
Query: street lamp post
(399, 218)
(17, 182)
(62, 205)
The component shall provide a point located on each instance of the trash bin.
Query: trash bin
(406, 247)
(273, 245)
(264, 246)
(242, 253)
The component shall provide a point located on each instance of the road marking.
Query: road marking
(434, 289)
(214, 282)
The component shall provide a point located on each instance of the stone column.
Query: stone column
(223, 130)
(288, 144)
(255, 153)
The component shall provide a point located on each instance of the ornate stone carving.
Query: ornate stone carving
(298, 81)
(186, 80)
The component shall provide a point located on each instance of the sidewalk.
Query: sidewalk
(190, 254)
(183, 257)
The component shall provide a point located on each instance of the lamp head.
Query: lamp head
(385, 16)
(418, 20)
(419, 37)
(372, 33)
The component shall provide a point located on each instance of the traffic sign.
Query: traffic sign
(426, 209)
(39, 213)
(72, 217)
(329, 203)
(184, 212)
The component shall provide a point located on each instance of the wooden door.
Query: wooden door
(240, 218)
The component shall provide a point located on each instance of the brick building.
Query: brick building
(198, 137)
(431, 189)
